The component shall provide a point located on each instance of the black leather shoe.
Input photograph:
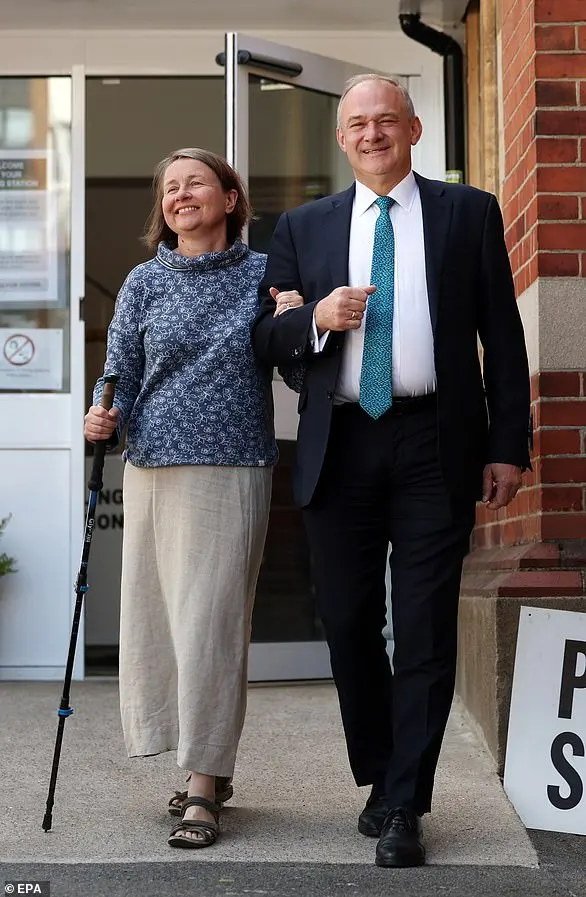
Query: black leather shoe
(370, 821)
(401, 840)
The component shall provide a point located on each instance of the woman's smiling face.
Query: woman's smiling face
(193, 198)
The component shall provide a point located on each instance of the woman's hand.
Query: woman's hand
(285, 300)
(100, 424)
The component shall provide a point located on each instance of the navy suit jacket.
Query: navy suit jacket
(483, 413)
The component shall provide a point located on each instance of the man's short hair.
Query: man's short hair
(360, 79)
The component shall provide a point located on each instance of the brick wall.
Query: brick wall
(543, 46)
(519, 188)
(552, 503)
(560, 128)
(544, 100)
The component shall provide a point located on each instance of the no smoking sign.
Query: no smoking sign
(18, 349)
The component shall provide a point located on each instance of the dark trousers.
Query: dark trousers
(381, 483)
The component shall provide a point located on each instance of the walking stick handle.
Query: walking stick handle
(107, 400)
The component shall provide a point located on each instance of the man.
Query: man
(400, 432)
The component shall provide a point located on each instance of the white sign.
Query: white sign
(28, 228)
(31, 359)
(545, 768)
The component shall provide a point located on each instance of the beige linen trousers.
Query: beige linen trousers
(193, 543)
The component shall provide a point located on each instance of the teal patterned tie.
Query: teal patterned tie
(376, 388)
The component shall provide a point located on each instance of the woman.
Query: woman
(200, 450)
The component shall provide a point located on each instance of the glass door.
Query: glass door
(41, 366)
(281, 107)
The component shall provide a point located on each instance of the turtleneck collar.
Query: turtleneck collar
(209, 261)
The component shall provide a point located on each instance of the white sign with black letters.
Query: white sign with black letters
(28, 227)
(545, 768)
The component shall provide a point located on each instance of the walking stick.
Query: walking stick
(95, 484)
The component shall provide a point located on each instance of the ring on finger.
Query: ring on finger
(353, 315)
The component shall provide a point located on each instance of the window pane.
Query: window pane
(285, 172)
(35, 196)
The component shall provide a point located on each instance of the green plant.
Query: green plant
(6, 562)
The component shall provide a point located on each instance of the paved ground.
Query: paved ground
(290, 829)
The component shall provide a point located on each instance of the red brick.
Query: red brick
(563, 470)
(532, 214)
(559, 413)
(512, 532)
(583, 148)
(554, 208)
(563, 526)
(556, 93)
(559, 10)
(516, 62)
(557, 149)
(560, 65)
(583, 93)
(562, 498)
(559, 383)
(523, 88)
(528, 189)
(515, 21)
(541, 583)
(562, 236)
(558, 264)
(561, 180)
(526, 502)
(524, 113)
(557, 442)
(582, 36)
(560, 122)
(555, 37)
(583, 263)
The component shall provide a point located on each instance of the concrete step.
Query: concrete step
(294, 801)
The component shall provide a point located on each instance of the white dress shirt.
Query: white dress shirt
(413, 360)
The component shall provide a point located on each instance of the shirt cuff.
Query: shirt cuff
(316, 341)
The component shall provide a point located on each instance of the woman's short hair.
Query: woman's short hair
(157, 228)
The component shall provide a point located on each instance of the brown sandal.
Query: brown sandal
(224, 791)
(209, 830)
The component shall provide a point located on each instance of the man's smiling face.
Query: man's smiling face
(377, 132)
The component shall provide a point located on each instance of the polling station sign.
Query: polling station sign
(545, 766)
(28, 228)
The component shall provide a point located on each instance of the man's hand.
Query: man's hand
(500, 483)
(99, 423)
(343, 309)
(285, 300)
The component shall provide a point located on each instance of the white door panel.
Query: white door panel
(35, 602)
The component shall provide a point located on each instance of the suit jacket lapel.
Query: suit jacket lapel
(337, 235)
(437, 208)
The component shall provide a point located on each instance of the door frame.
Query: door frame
(279, 63)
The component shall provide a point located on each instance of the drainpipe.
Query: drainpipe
(451, 51)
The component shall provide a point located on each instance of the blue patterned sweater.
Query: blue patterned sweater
(189, 387)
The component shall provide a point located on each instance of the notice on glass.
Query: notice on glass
(28, 228)
(31, 359)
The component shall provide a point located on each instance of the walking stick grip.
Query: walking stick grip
(107, 400)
